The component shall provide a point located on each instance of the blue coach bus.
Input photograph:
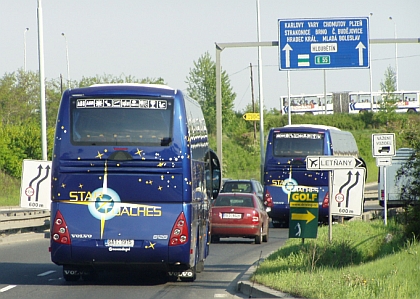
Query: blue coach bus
(132, 181)
(285, 165)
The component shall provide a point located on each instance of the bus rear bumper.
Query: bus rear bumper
(147, 256)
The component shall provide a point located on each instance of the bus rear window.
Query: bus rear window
(298, 144)
(122, 121)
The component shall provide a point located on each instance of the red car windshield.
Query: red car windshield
(234, 201)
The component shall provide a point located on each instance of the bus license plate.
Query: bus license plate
(119, 243)
(232, 216)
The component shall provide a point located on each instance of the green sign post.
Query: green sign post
(303, 219)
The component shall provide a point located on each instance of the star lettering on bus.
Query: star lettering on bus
(80, 186)
(160, 188)
(99, 155)
(139, 152)
(151, 245)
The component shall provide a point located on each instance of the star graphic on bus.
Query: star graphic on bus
(151, 245)
(139, 152)
(99, 155)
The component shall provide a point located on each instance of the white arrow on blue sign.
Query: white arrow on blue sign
(323, 43)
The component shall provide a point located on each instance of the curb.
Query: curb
(256, 290)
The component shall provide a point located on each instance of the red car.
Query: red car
(239, 215)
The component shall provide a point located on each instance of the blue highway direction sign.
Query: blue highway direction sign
(323, 43)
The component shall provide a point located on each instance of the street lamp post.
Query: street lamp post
(24, 49)
(396, 52)
(370, 73)
(67, 57)
(260, 95)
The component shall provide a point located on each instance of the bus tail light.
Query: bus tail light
(326, 202)
(382, 194)
(60, 232)
(179, 234)
(268, 200)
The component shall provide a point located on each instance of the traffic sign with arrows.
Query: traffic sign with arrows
(251, 116)
(36, 184)
(332, 162)
(323, 43)
(303, 219)
(347, 192)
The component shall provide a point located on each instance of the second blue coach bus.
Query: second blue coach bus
(285, 165)
(130, 182)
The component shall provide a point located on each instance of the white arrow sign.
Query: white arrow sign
(347, 192)
(287, 48)
(332, 162)
(360, 47)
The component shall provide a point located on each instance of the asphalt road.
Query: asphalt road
(26, 271)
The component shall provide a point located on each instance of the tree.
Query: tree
(52, 101)
(19, 97)
(88, 81)
(387, 111)
(202, 87)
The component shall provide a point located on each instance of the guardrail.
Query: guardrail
(18, 220)
(371, 195)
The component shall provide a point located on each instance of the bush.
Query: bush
(19, 143)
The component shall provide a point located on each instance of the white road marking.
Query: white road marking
(46, 273)
(5, 289)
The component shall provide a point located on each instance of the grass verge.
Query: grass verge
(363, 260)
(10, 187)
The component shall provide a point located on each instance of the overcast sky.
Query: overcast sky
(163, 38)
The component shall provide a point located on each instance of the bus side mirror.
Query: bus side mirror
(213, 175)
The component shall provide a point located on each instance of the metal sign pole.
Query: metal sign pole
(385, 198)
(289, 110)
(330, 184)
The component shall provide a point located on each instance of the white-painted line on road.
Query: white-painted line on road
(47, 273)
(5, 289)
